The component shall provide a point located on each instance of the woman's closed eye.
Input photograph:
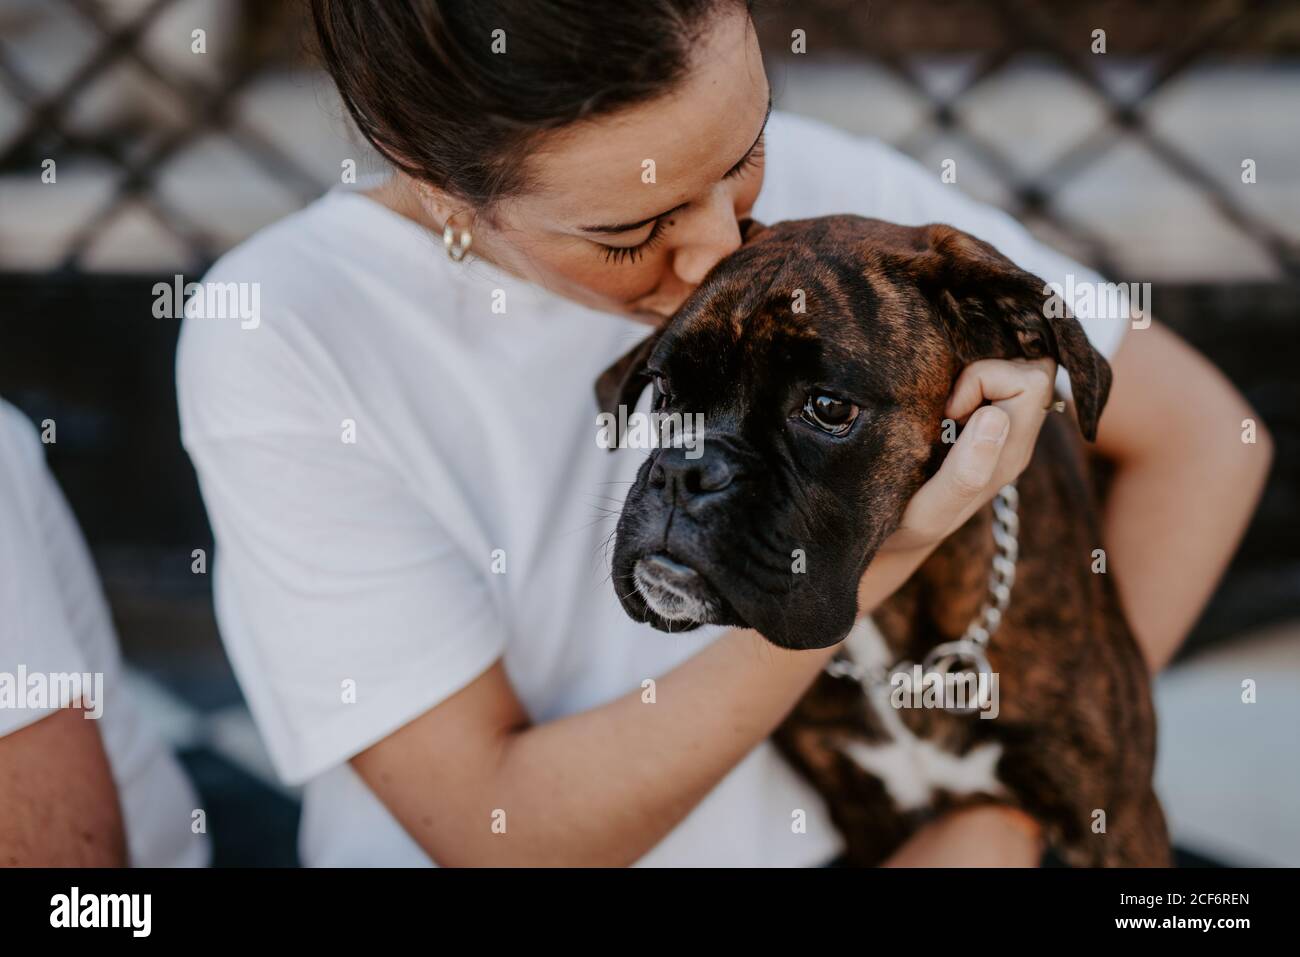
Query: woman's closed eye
(750, 160)
(622, 254)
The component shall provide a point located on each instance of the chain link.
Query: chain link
(1006, 539)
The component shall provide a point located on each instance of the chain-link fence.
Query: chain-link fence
(1152, 140)
(1091, 121)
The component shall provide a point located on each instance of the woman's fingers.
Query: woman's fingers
(1021, 388)
(960, 486)
(1000, 380)
(993, 448)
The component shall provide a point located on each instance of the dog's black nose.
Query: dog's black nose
(691, 477)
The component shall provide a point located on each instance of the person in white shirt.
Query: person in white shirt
(84, 780)
(399, 453)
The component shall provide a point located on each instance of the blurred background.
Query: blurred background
(1131, 160)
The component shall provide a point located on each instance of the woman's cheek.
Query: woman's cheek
(619, 282)
(749, 188)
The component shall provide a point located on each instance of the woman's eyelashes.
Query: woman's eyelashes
(623, 254)
(752, 159)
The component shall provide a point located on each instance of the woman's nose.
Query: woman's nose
(711, 234)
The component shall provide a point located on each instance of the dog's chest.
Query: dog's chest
(915, 769)
(880, 759)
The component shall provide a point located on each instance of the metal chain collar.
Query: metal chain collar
(967, 652)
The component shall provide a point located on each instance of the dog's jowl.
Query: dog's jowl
(821, 355)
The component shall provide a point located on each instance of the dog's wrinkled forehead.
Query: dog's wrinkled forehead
(860, 303)
(808, 297)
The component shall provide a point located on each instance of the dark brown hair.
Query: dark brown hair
(423, 85)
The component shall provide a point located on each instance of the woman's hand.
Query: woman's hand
(984, 836)
(993, 449)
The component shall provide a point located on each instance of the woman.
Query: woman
(84, 780)
(401, 467)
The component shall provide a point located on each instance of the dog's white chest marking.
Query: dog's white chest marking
(911, 768)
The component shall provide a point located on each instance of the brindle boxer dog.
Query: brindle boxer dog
(819, 426)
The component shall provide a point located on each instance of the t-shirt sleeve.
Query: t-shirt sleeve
(36, 635)
(825, 171)
(345, 606)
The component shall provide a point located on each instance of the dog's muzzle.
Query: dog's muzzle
(673, 591)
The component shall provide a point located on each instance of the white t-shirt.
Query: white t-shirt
(382, 439)
(54, 621)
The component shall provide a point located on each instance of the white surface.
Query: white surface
(1228, 773)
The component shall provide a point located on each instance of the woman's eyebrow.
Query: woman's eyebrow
(625, 227)
(628, 227)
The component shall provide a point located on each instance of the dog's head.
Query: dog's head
(821, 355)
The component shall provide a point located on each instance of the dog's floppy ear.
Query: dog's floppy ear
(624, 381)
(993, 309)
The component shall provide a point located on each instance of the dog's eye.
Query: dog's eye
(662, 394)
(829, 414)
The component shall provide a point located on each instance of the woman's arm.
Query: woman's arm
(985, 835)
(602, 787)
(60, 803)
(598, 788)
(1184, 488)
